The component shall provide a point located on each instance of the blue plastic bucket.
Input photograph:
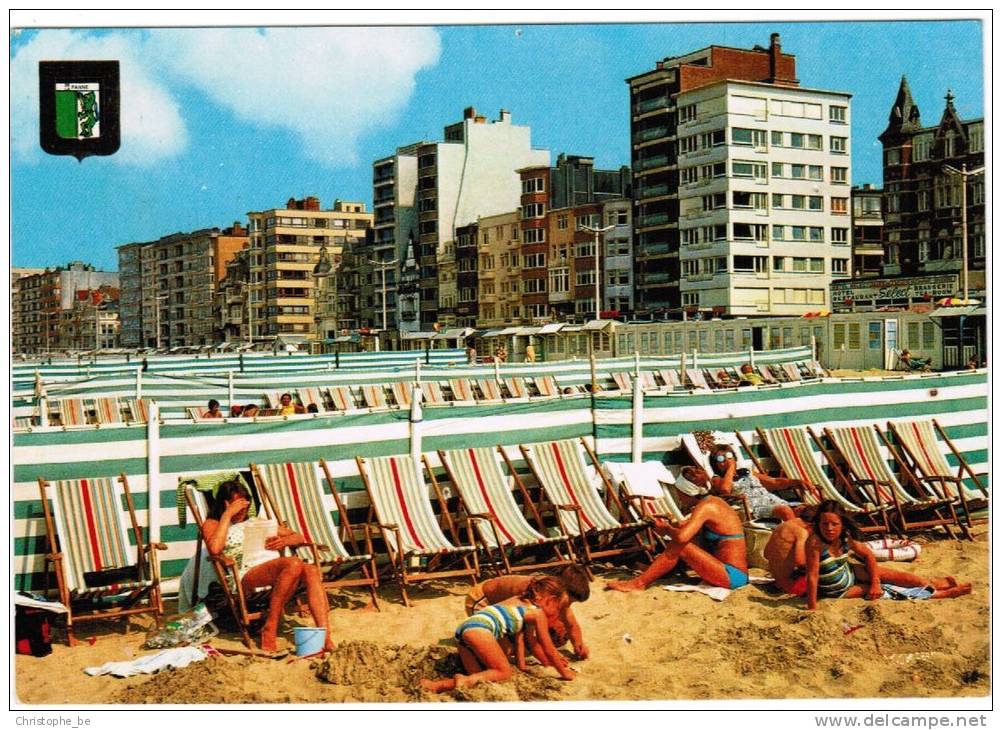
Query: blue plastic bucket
(309, 640)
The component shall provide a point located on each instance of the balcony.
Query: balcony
(646, 135)
(657, 219)
(651, 162)
(652, 191)
(661, 102)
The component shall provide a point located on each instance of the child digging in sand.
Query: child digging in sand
(831, 575)
(575, 581)
(487, 638)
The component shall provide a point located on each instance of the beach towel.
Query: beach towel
(715, 592)
(898, 593)
(178, 657)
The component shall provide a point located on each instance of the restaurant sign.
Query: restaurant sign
(845, 294)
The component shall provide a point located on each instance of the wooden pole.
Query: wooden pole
(153, 471)
(638, 421)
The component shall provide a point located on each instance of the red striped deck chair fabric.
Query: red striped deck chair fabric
(561, 472)
(766, 374)
(298, 499)
(797, 459)
(402, 393)
(273, 399)
(792, 372)
(138, 410)
(547, 386)
(647, 381)
(516, 387)
(484, 489)
(108, 410)
(73, 412)
(313, 396)
(623, 381)
(374, 395)
(489, 390)
(342, 398)
(696, 379)
(921, 443)
(432, 393)
(670, 378)
(461, 389)
(85, 527)
(398, 498)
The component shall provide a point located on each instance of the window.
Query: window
(717, 169)
(750, 231)
(840, 206)
(837, 114)
(817, 265)
(777, 169)
(838, 145)
(840, 175)
(816, 234)
(777, 200)
(797, 139)
(893, 156)
(976, 138)
(687, 113)
(533, 286)
(533, 210)
(562, 221)
(717, 200)
(777, 233)
(923, 248)
(815, 202)
(585, 278)
(533, 235)
(777, 139)
(534, 260)
(746, 168)
(585, 249)
(712, 139)
(950, 144)
(815, 172)
(753, 137)
(743, 199)
(798, 202)
(779, 263)
(928, 335)
(592, 220)
(687, 145)
(758, 264)
(559, 280)
(814, 142)
(798, 233)
(532, 185)
(619, 247)
(892, 252)
(798, 172)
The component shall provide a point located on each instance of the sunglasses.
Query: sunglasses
(720, 458)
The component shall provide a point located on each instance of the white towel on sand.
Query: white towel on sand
(178, 657)
(715, 592)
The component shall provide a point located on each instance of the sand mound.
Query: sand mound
(213, 681)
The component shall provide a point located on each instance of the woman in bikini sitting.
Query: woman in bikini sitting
(711, 540)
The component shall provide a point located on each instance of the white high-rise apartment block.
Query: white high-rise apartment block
(764, 188)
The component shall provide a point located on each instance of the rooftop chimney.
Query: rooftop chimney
(505, 116)
(469, 112)
(774, 50)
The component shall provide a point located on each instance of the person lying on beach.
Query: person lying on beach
(575, 581)
(224, 535)
(489, 637)
(787, 554)
(754, 486)
(711, 540)
(830, 574)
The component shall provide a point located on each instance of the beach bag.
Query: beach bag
(32, 632)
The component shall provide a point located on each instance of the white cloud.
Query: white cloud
(327, 85)
(152, 128)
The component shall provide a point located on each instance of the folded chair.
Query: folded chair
(796, 458)
(865, 457)
(547, 386)
(560, 470)
(516, 387)
(462, 392)
(502, 529)
(273, 399)
(417, 548)
(490, 391)
(923, 452)
(296, 497)
(99, 574)
(374, 395)
(342, 398)
(643, 490)
(108, 410)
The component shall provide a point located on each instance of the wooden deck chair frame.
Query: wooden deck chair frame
(342, 398)
(490, 390)
(912, 512)
(594, 542)
(399, 560)
(462, 391)
(138, 410)
(702, 460)
(643, 507)
(506, 554)
(402, 393)
(767, 375)
(272, 399)
(314, 395)
(516, 387)
(647, 381)
(73, 412)
(853, 500)
(923, 467)
(431, 393)
(792, 372)
(374, 395)
(59, 561)
(547, 386)
(335, 571)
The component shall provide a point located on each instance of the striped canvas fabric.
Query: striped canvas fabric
(314, 396)
(867, 459)
(489, 390)
(923, 443)
(273, 399)
(696, 378)
(108, 410)
(73, 412)
(139, 411)
(766, 374)
(547, 386)
(792, 371)
(670, 378)
(484, 489)
(399, 499)
(374, 395)
(622, 381)
(91, 532)
(432, 393)
(402, 393)
(342, 398)
(798, 460)
(461, 390)
(516, 387)
(565, 481)
(299, 500)
(625, 476)
(647, 381)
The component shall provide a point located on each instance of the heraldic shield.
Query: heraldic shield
(79, 107)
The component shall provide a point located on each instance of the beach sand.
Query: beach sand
(655, 645)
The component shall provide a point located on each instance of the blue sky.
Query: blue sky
(219, 122)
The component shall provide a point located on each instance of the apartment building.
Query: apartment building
(618, 291)
(654, 130)
(867, 231)
(42, 299)
(285, 247)
(169, 285)
(92, 322)
(764, 187)
(422, 195)
(498, 279)
(16, 315)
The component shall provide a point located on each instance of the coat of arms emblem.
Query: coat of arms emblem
(79, 107)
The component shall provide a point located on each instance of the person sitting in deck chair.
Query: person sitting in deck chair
(749, 376)
(755, 487)
(907, 362)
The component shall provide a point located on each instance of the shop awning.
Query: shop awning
(959, 312)
(549, 329)
(597, 324)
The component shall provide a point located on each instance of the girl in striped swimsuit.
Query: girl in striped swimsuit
(830, 574)
(488, 637)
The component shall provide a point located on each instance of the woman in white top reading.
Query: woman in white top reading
(224, 535)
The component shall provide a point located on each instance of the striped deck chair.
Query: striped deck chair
(766, 374)
(314, 396)
(643, 489)
(90, 552)
(462, 391)
(296, 497)
(401, 507)
(402, 393)
(138, 409)
(647, 381)
(797, 459)
(670, 378)
(502, 529)
(108, 410)
(490, 391)
(623, 381)
(73, 412)
(560, 470)
(923, 451)
(547, 386)
(273, 399)
(866, 459)
(817, 369)
(342, 398)
(374, 396)
(193, 413)
(432, 393)
(792, 372)
(696, 379)
(22, 422)
(516, 387)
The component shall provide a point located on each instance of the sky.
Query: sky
(217, 122)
